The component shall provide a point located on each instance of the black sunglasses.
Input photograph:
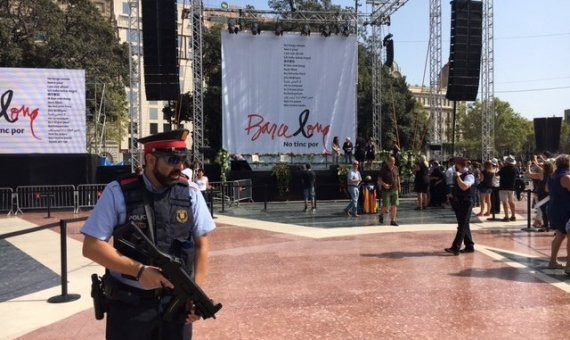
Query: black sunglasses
(173, 160)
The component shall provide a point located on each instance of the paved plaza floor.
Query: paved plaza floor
(288, 274)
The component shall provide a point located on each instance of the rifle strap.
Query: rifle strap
(149, 215)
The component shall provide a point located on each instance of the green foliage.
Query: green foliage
(342, 173)
(400, 111)
(67, 34)
(302, 5)
(408, 160)
(223, 160)
(282, 173)
(212, 105)
(513, 133)
(565, 138)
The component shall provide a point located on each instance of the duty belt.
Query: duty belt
(116, 290)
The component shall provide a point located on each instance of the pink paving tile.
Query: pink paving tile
(380, 286)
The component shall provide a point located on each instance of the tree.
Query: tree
(212, 105)
(67, 34)
(512, 132)
(401, 111)
(284, 6)
(402, 117)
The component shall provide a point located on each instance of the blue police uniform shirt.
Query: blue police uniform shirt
(469, 179)
(111, 211)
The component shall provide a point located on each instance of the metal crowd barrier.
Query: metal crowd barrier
(242, 190)
(87, 195)
(221, 192)
(45, 196)
(6, 200)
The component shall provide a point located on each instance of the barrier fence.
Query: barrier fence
(6, 203)
(226, 194)
(87, 195)
(45, 197)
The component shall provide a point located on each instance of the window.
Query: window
(153, 113)
(135, 127)
(153, 128)
(166, 127)
(126, 8)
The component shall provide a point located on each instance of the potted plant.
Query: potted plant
(282, 173)
(342, 173)
(223, 160)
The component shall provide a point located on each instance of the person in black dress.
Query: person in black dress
(370, 149)
(359, 152)
(421, 182)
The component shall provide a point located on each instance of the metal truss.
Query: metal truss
(135, 70)
(380, 15)
(435, 98)
(245, 16)
(376, 46)
(382, 9)
(198, 82)
(488, 83)
(97, 125)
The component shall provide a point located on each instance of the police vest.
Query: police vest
(460, 195)
(173, 222)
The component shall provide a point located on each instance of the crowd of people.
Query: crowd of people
(463, 185)
(363, 152)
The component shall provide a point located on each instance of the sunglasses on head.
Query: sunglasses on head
(172, 159)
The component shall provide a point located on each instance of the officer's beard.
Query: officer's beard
(167, 180)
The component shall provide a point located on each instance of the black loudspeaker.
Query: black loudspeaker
(161, 70)
(465, 50)
(241, 165)
(547, 134)
(106, 174)
(389, 44)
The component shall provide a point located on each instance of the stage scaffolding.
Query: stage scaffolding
(356, 21)
(134, 92)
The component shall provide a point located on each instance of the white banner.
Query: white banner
(287, 94)
(42, 111)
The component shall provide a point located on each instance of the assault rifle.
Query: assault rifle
(185, 289)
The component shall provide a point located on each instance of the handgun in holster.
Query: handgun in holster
(99, 297)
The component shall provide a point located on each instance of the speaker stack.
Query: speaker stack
(547, 134)
(389, 45)
(465, 50)
(160, 47)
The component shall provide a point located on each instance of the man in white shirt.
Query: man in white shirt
(353, 180)
(188, 170)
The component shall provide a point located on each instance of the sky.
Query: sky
(532, 49)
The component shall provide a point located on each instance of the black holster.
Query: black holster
(98, 295)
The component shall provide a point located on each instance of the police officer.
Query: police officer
(173, 213)
(462, 204)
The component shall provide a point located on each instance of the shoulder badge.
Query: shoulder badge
(181, 215)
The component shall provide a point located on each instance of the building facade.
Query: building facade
(422, 95)
(151, 116)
